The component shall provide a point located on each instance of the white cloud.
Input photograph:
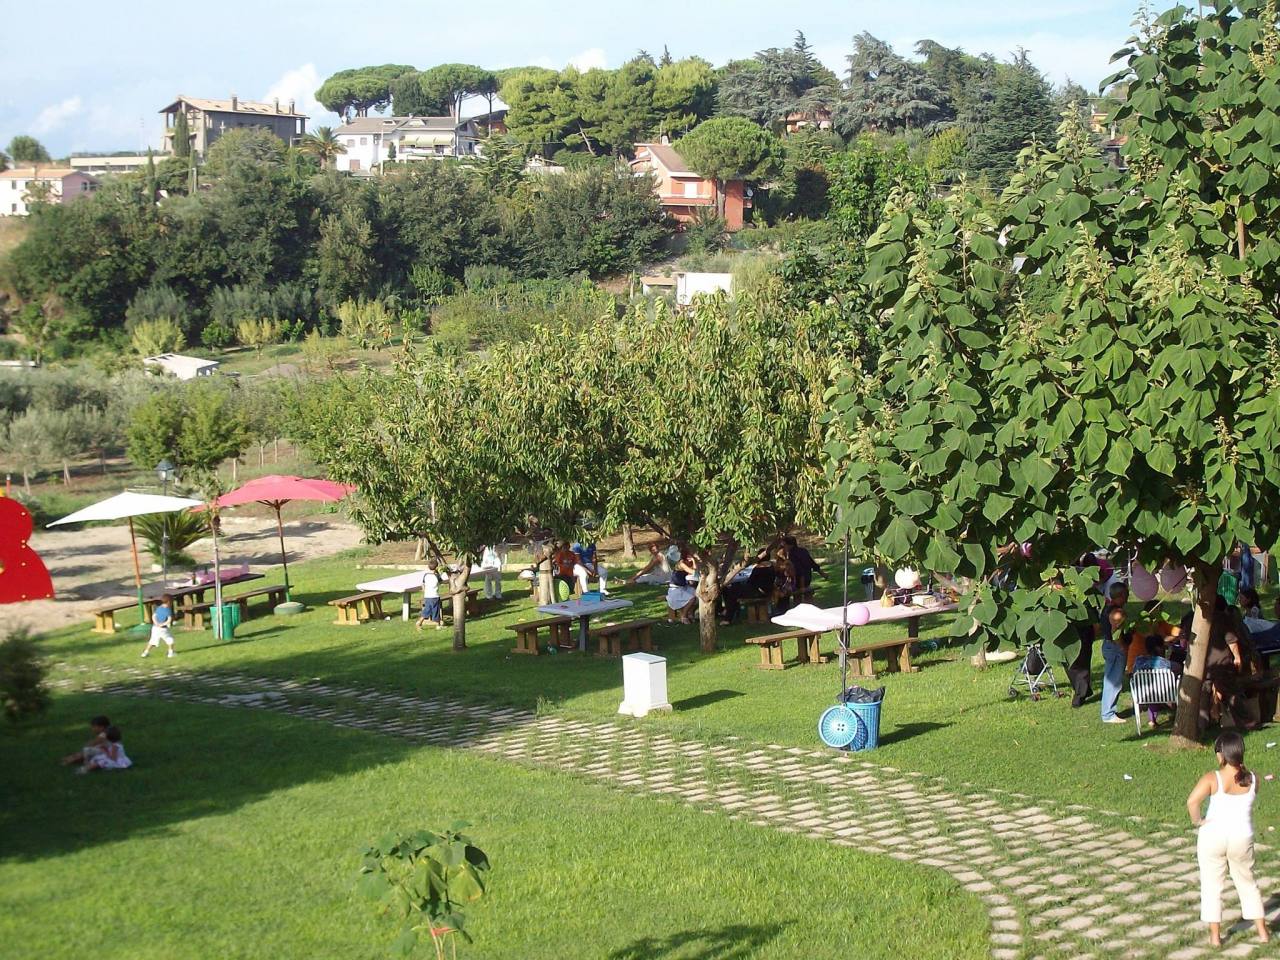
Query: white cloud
(300, 85)
(589, 59)
(54, 116)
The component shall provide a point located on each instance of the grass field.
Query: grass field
(237, 835)
(223, 796)
(948, 719)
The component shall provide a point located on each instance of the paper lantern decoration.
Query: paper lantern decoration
(906, 578)
(859, 614)
(1142, 584)
(1173, 578)
(23, 575)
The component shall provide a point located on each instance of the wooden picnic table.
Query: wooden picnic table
(407, 584)
(583, 611)
(898, 650)
(104, 619)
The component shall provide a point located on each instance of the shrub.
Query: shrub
(153, 337)
(366, 322)
(258, 333)
(23, 689)
(707, 233)
(431, 283)
(159, 302)
(486, 276)
(218, 334)
(423, 880)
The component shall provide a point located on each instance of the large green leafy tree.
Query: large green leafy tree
(887, 93)
(26, 150)
(538, 102)
(684, 94)
(386, 433)
(705, 424)
(1136, 404)
(599, 220)
(730, 148)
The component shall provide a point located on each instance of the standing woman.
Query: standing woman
(1225, 840)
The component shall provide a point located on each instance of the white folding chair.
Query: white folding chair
(1152, 688)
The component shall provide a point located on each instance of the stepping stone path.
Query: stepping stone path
(1056, 881)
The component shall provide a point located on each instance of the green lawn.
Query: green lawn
(237, 835)
(949, 719)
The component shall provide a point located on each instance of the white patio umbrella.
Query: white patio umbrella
(126, 506)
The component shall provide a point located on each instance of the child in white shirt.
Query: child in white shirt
(110, 757)
(431, 597)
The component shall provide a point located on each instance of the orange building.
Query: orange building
(682, 192)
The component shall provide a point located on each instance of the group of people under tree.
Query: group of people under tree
(777, 573)
(1240, 641)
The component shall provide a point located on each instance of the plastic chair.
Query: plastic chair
(1152, 688)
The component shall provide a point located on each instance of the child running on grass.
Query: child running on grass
(161, 622)
(431, 597)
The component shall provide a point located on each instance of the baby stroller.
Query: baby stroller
(1034, 674)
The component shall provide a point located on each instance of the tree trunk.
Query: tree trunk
(628, 542)
(1186, 722)
(708, 593)
(458, 594)
(546, 588)
(276, 441)
(979, 659)
(720, 199)
(235, 463)
(66, 474)
(26, 482)
(262, 455)
(420, 550)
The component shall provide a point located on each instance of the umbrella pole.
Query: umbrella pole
(284, 557)
(137, 573)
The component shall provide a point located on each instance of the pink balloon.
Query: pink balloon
(859, 615)
(1173, 578)
(1142, 584)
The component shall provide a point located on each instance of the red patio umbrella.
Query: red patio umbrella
(276, 491)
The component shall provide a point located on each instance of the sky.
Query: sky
(100, 87)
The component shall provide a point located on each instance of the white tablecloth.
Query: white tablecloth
(806, 616)
(578, 608)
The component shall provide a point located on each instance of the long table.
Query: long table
(806, 616)
(407, 584)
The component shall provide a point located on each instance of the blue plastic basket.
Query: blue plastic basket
(592, 596)
(851, 726)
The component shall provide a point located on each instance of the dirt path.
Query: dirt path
(92, 565)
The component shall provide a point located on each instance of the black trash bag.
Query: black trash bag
(861, 695)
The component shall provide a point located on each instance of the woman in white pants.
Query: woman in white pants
(491, 561)
(1225, 841)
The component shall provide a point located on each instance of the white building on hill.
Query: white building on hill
(22, 187)
(182, 367)
(372, 141)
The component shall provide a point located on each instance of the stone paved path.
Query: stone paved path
(1056, 882)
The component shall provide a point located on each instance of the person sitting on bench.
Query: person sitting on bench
(759, 584)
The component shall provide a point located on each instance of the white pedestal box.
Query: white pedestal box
(644, 684)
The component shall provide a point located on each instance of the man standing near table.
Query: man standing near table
(803, 562)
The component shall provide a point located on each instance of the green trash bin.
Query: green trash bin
(228, 615)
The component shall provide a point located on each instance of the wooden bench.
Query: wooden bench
(898, 656)
(274, 596)
(104, 618)
(355, 609)
(807, 648)
(527, 634)
(635, 634)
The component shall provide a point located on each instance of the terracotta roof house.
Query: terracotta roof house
(819, 118)
(20, 186)
(207, 120)
(684, 193)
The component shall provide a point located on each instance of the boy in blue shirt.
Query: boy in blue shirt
(161, 622)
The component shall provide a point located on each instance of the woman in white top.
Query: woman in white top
(1225, 841)
(491, 562)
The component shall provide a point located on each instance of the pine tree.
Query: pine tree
(181, 136)
(1020, 110)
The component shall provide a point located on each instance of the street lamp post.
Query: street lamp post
(165, 471)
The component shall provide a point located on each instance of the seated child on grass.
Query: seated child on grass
(99, 725)
(110, 757)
